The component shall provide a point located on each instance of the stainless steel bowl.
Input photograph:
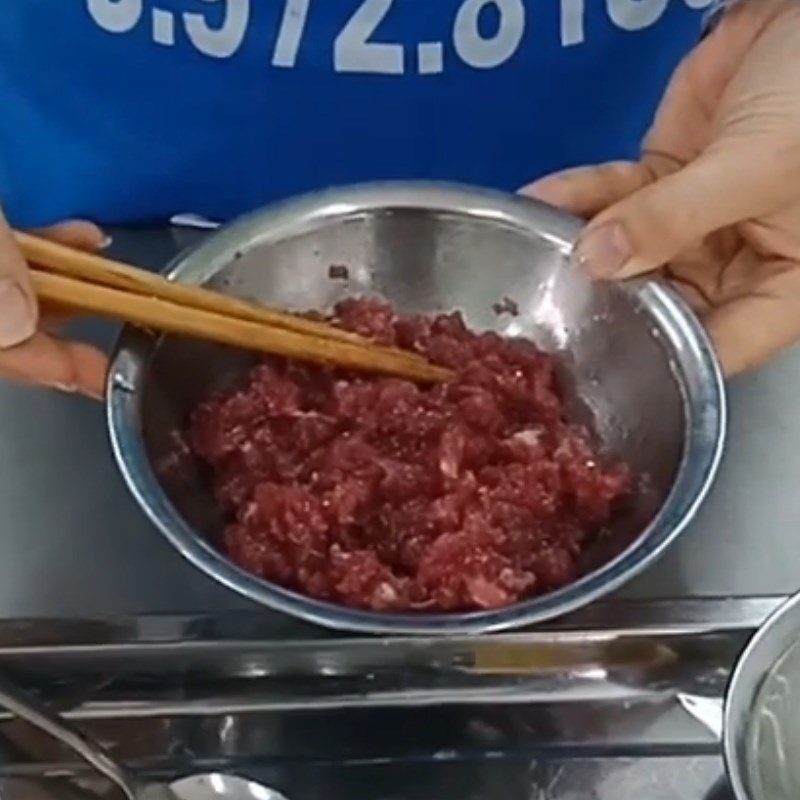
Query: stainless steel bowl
(762, 711)
(636, 363)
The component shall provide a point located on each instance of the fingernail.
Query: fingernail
(66, 388)
(17, 315)
(107, 242)
(604, 251)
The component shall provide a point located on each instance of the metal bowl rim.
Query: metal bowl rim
(746, 681)
(705, 435)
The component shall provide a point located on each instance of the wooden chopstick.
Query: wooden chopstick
(171, 317)
(91, 283)
(72, 263)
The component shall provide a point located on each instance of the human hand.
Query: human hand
(714, 201)
(29, 352)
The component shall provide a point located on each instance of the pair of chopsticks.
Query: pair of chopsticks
(90, 283)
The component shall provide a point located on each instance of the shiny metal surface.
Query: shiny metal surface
(166, 708)
(576, 708)
(637, 363)
(203, 786)
(196, 666)
(218, 786)
(641, 741)
(29, 708)
(762, 711)
(522, 778)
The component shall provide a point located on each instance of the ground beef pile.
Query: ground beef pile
(379, 494)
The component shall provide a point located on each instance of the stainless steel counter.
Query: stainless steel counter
(74, 543)
(603, 711)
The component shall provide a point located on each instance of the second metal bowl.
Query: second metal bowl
(636, 363)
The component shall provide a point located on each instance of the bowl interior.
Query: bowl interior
(761, 734)
(618, 363)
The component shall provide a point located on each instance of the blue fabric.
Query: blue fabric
(122, 110)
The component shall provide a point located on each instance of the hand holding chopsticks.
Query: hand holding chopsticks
(91, 283)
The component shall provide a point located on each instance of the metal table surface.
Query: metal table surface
(74, 543)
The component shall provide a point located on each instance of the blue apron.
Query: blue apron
(124, 110)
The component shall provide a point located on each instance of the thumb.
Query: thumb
(19, 311)
(18, 307)
(659, 221)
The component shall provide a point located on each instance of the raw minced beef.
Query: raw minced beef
(380, 494)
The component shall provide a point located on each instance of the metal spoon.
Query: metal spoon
(204, 786)
(221, 787)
